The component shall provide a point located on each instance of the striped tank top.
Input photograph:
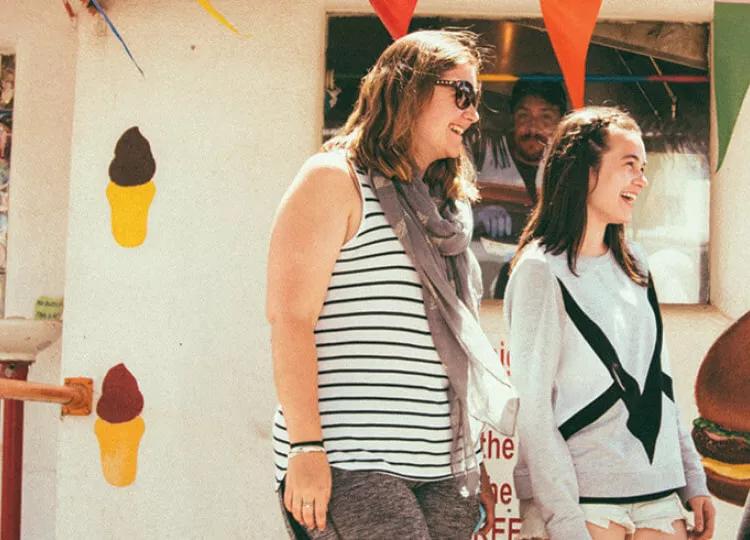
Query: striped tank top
(383, 391)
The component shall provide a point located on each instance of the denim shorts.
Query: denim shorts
(657, 514)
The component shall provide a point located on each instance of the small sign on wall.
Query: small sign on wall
(48, 308)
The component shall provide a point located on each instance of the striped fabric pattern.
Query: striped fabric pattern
(383, 392)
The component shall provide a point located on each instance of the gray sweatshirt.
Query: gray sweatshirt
(597, 418)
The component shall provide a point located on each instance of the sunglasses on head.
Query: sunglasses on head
(466, 96)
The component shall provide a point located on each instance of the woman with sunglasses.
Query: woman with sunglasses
(602, 451)
(383, 374)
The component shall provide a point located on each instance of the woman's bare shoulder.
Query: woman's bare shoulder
(330, 167)
(323, 183)
(324, 177)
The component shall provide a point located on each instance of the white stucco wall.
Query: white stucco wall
(229, 122)
(730, 226)
(642, 10)
(45, 45)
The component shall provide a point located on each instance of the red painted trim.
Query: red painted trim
(12, 480)
(679, 78)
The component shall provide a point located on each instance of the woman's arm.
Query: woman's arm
(318, 214)
(695, 494)
(534, 314)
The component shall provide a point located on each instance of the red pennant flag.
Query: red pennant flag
(395, 15)
(570, 24)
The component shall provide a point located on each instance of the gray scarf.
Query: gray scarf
(437, 240)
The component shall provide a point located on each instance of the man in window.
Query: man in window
(506, 169)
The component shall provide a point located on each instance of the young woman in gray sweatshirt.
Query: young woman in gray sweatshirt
(602, 452)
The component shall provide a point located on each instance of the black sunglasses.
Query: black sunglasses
(466, 96)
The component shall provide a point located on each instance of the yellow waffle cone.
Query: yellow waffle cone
(118, 444)
(130, 206)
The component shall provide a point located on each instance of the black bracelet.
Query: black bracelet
(305, 443)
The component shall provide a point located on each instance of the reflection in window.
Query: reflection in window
(670, 221)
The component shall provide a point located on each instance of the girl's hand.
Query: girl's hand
(307, 489)
(487, 500)
(705, 517)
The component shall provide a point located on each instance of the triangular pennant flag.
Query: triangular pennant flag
(731, 67)
(69, 9)
(216, 14)
(570, 24)
(112, 27)
(395, 14)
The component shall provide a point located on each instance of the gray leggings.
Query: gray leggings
(375, 506)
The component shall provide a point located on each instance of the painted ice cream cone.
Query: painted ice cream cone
(130, 212)
(131, 188)
(118, 444)
(119, 427)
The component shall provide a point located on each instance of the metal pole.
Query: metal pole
(30, 391)
(76, 399)
(10, 528)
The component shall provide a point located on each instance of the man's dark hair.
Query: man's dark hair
(551, 92)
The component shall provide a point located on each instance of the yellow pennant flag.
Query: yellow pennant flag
(216, 14)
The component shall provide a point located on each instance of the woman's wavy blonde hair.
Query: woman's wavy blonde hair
(379, 131)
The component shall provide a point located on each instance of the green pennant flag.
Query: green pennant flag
(731, 67)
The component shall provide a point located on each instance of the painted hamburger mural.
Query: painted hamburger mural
(722, 432)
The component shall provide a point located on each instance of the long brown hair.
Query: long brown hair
(379, 131)
(558, 221)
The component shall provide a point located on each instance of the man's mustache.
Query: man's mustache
(538, 137)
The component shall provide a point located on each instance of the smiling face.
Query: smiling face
(534, 121)
(439, 127)
(615, 187)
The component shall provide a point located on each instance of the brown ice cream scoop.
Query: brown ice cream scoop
(133, 163)
(121, 399)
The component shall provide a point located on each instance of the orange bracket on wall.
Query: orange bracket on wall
(82, 403)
